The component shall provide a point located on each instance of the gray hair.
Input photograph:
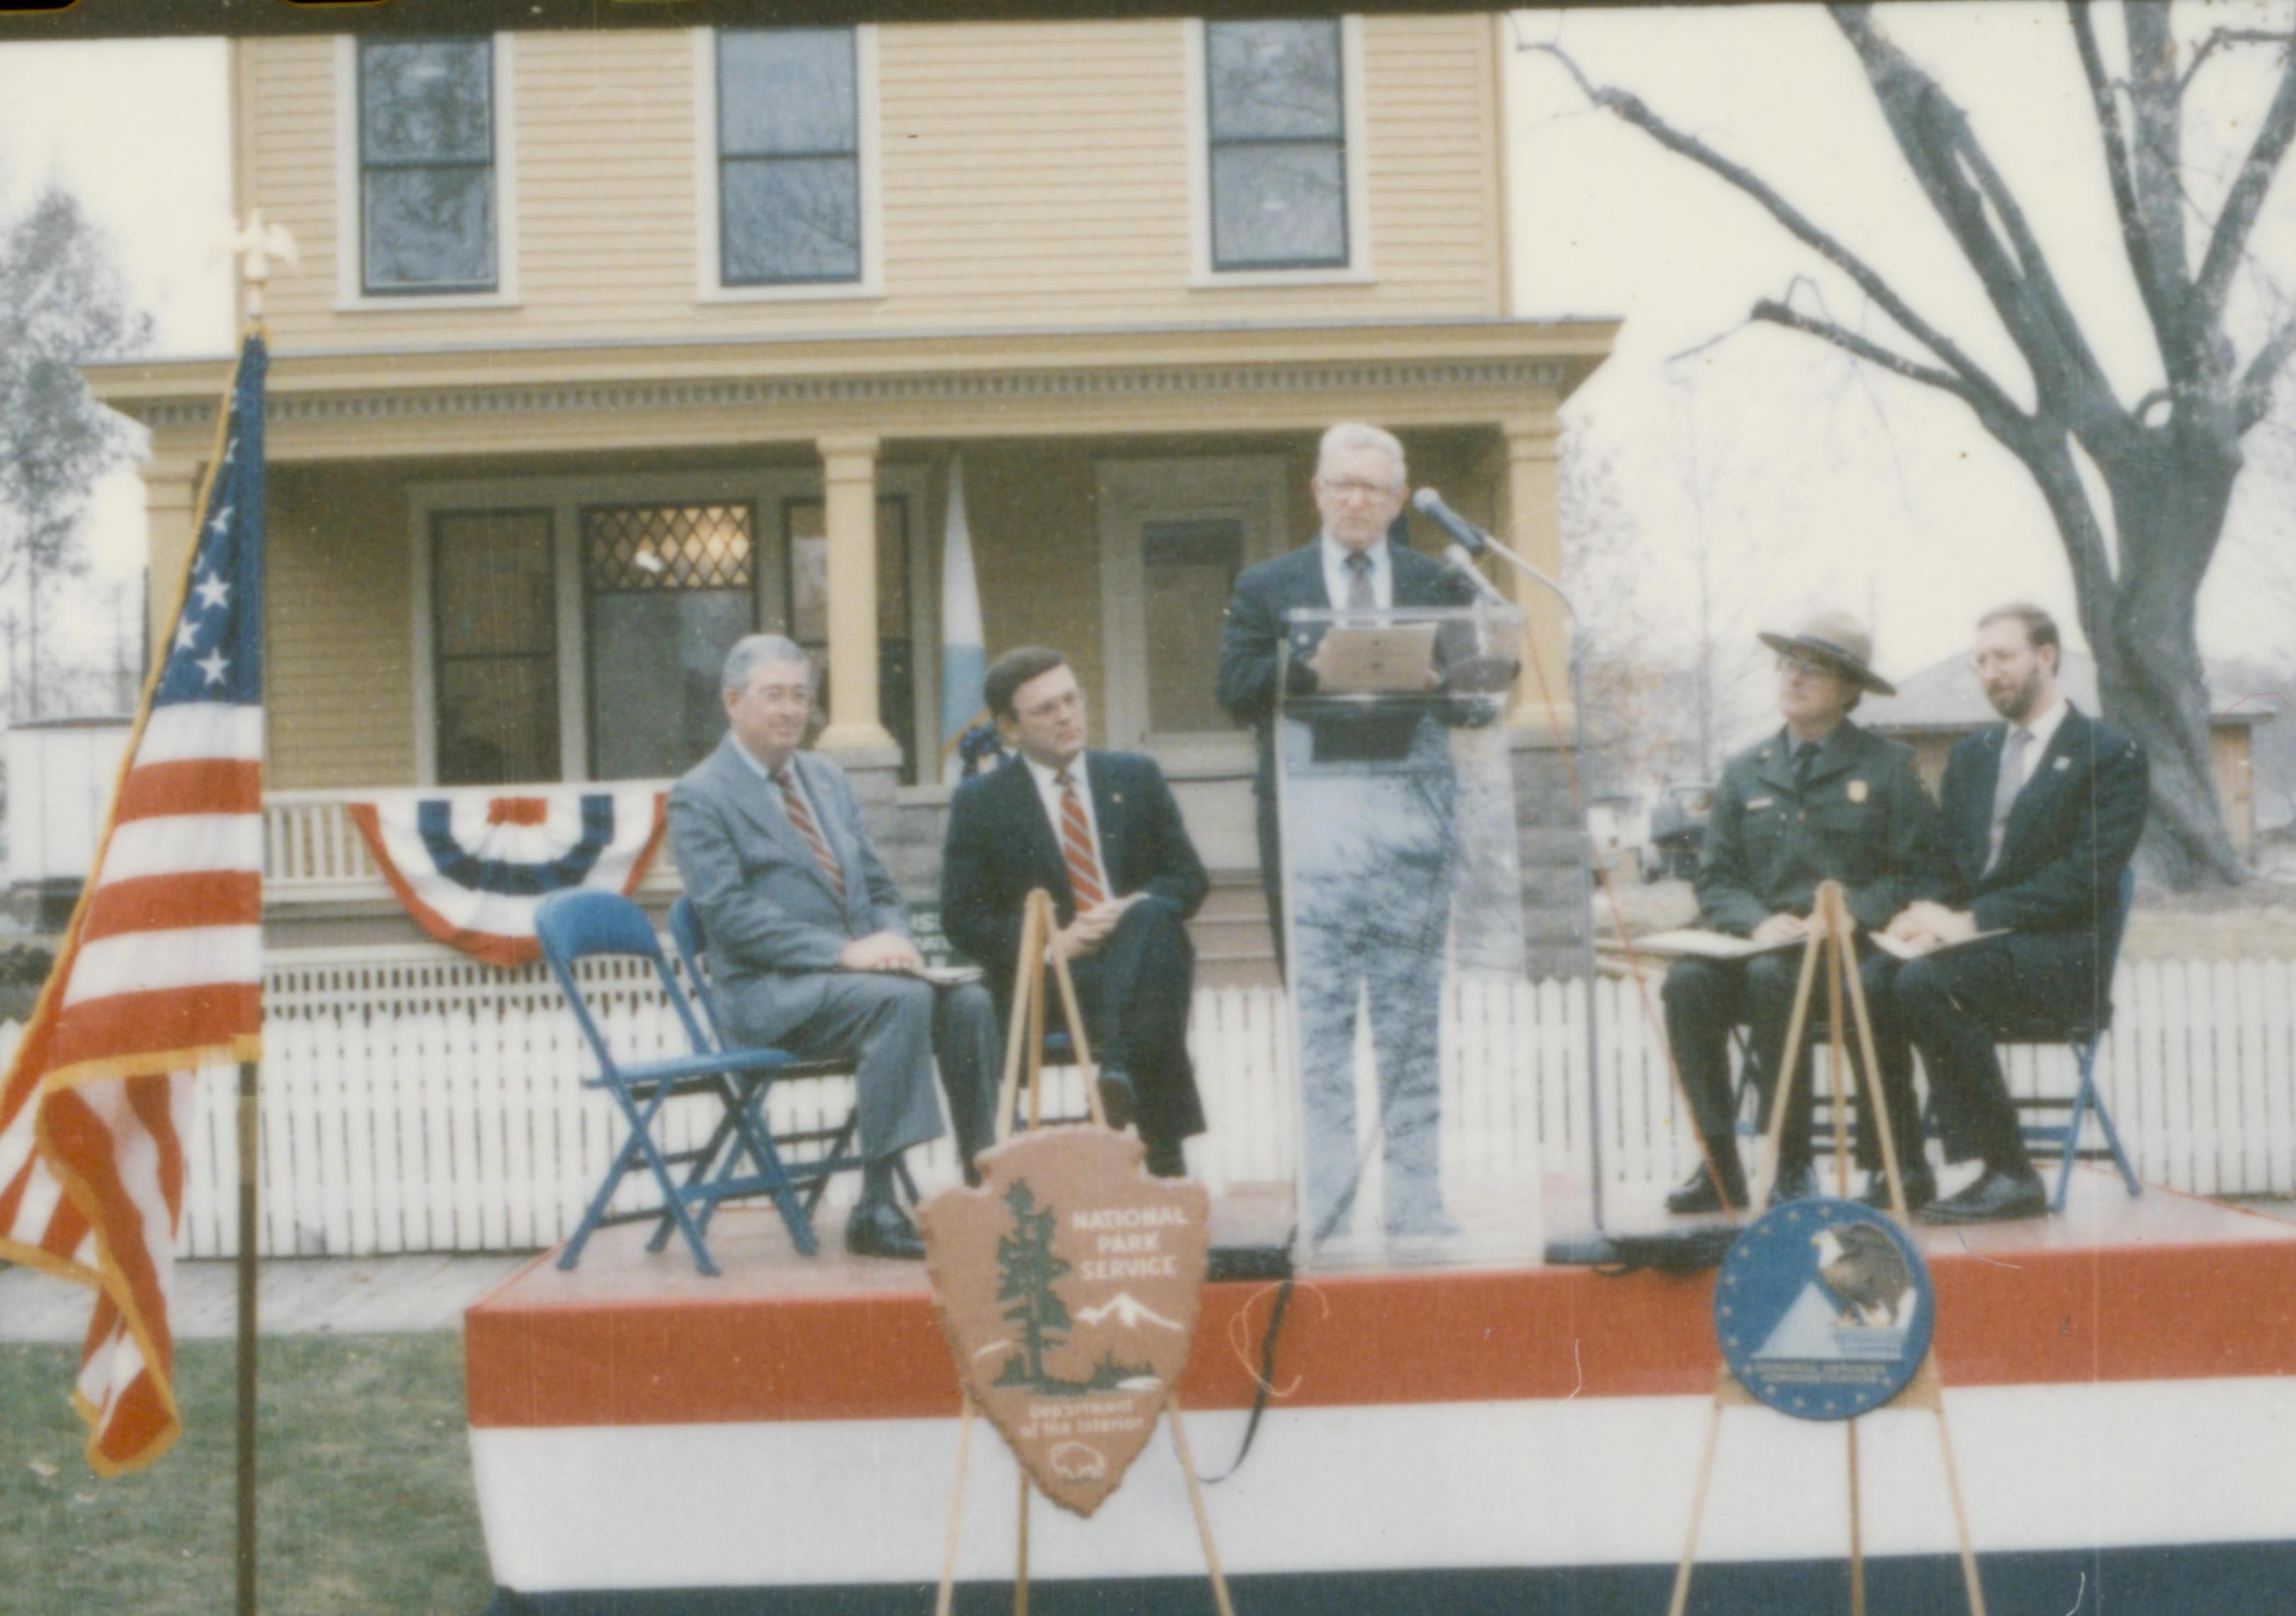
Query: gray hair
(752, 650)
(1358, 435)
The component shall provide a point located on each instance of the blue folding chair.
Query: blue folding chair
(2084, 1034)
(588, 924)
(828, 1150)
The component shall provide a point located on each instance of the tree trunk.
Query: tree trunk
(2169, 489)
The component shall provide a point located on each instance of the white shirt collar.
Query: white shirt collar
(1335, 570)
(2043, 728)
(1047, 777)
(752, 759)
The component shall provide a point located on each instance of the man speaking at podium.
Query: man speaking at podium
(1377, 923)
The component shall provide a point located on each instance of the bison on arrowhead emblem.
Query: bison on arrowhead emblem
(1067, 1287)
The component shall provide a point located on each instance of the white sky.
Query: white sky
(1819, 481)
(1823, 480)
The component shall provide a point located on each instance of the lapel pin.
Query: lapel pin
(1857, 791)
(2062, 764)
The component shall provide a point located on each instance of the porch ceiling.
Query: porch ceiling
(460, 402)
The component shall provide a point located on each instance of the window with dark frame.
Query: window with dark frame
(426, 166)
(789, 157)
(669, 588)
(1275, 140)
(495, 647)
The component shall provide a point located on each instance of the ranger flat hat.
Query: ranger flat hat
(1835, 638)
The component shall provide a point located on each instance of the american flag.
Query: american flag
(160, 973)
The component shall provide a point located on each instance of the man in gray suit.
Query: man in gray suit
(809, 944)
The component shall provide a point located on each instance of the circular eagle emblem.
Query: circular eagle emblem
(1824, 1310)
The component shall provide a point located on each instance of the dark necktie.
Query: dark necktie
(801, 818)
(1805, 761)
(1360, 597)
(2005, 787)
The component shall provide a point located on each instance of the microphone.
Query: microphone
(1472, 539)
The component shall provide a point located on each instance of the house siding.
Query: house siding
(339, 638)
(1032, 175)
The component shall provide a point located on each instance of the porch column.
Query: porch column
(170, 490)
(1534, 529)
(849, 481)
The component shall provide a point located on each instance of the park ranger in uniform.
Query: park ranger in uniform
(1820, 799)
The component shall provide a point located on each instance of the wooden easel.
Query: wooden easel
(1024, 1045)
(1833, 935)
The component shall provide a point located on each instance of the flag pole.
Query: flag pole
(254, 245)
(244, 1576)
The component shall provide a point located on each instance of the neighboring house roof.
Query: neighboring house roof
(1944, 696)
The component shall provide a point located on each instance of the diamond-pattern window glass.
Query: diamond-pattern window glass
(670, 588)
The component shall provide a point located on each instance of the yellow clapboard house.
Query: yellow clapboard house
(608, 346)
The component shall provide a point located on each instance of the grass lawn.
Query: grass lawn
(364, 1472)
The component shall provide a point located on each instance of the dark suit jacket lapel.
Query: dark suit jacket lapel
(2046, 779)
(1108, 813)
(1025, 807)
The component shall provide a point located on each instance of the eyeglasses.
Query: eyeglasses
(1348, 487)
(1806, 668)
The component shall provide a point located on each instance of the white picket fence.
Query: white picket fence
(416, 1102)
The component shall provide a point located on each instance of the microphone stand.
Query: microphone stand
(1458, 556)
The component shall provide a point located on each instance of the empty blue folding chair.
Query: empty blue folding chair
(810, 1156)
(738, 1159)
(2084, 1034)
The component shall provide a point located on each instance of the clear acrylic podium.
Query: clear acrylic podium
(1403, 941)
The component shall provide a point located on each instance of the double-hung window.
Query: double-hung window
(789, 206)
(427, 192)
(1276, 144)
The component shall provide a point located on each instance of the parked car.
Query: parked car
(1677, 830)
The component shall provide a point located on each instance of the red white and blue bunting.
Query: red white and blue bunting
(472, 869)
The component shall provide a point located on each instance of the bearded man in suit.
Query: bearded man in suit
(2042, 813)
(809, 944)
(1101, 832)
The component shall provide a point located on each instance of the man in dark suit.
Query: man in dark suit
(1822, 800)
(1381, 845)
(1101, 832)
(809, 944)
(1359, 492)
(2043, 812)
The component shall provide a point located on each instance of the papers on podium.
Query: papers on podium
(945, 976)
(1365, 659)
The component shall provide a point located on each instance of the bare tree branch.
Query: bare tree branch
(1970, 195)
(1773, 312)
(2161, 295)
(2253, 399)
(2219, 38)
(2245, 200)
(1631, 109)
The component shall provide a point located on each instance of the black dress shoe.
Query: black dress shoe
(1118, 1103)
(1698, 1193)
(1167, 1159)
(1997, 1195)
(1921, 1188)
(883, 1230)
(1796, 1181)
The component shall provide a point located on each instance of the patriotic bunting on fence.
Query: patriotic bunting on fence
(160, 973)
(472, 868)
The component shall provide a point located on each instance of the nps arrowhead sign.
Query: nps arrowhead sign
(1067, 1287)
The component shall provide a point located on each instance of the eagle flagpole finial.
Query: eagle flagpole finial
(255, 244)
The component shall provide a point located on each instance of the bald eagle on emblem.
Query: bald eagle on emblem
(1867, 1273)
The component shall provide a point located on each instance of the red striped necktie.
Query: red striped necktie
(801, 818)
(1075, 847)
